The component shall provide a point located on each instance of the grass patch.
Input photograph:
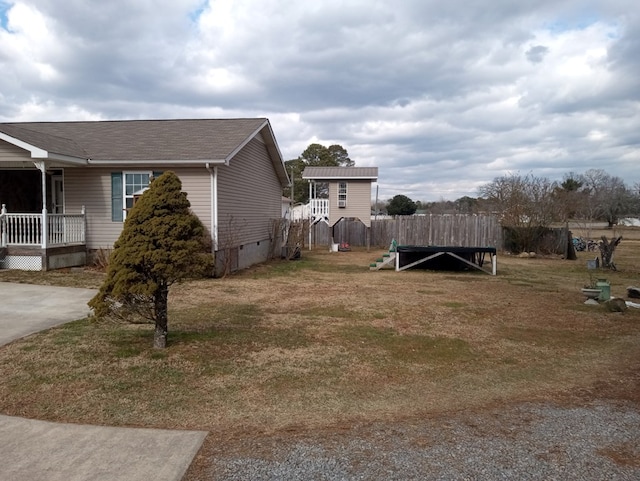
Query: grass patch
(282, 268)
(454, 304)
(86, 278)
(555, 338)
(336, 311)
(409, 348)
(321, 339)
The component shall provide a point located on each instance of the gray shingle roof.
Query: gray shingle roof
(137, 140)
(42, 140)
(329, 173)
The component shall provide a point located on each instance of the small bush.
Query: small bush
(101, 258)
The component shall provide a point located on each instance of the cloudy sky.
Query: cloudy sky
(441, 96)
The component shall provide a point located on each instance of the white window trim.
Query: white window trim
(342, 194)
(124, 188)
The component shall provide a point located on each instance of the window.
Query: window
(342, 194)
(135, 183)
(126, 187)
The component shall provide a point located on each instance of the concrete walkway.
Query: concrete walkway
(25, 308)
(51, 451)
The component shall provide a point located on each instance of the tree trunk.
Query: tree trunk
(161, 331)
(606, 251)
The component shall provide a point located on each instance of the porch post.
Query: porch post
(42, 167)
(3, 229)
(83, 211)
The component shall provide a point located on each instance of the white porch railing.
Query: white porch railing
(65, 229)
(319, 208)
(27, 229)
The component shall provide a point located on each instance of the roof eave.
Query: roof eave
(67, 159)
(324, 177)
(36, 152)
(242, 144)
(172, 162)
(272, 148)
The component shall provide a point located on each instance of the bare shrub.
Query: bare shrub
(100, 258)
(228, 244)
(295, 238)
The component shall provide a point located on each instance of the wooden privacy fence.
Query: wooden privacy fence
(461, 230)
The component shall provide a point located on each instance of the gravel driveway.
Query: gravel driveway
(596, 441)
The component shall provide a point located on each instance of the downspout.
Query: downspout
(213, 174)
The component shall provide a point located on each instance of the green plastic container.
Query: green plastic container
(605, 289)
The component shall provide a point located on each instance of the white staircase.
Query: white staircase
(387, 261)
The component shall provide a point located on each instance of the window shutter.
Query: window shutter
(157, 173)
(116, 197)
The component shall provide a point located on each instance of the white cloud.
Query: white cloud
(441, 98)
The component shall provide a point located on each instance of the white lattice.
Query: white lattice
(24, 263)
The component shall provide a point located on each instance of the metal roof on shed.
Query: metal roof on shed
(330, 173)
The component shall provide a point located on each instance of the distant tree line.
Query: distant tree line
(531, 201)
(520, 200)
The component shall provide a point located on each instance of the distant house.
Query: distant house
(66, 187)
(348, 194)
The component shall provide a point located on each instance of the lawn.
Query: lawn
(324, 342)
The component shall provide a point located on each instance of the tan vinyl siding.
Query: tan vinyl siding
(12, 156)
(358, 201)
(196, 182)
(91, 187)
(250, 196)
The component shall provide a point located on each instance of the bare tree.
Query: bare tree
(606, 197)
(523, 201)
(568, 196)
(526, 205)
(607, 248)
(635, 209)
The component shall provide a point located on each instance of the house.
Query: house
(286, 208)
(66, 187)
(348, 194)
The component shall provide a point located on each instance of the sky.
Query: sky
(443, 97)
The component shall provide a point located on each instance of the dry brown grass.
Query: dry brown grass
(596, 231)
(324, 341)
(72, 277)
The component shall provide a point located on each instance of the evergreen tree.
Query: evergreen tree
(315, 155)
(162, 242)
(401, 205)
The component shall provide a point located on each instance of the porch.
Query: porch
(315, 210)
(41, 241)
(318, 209)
